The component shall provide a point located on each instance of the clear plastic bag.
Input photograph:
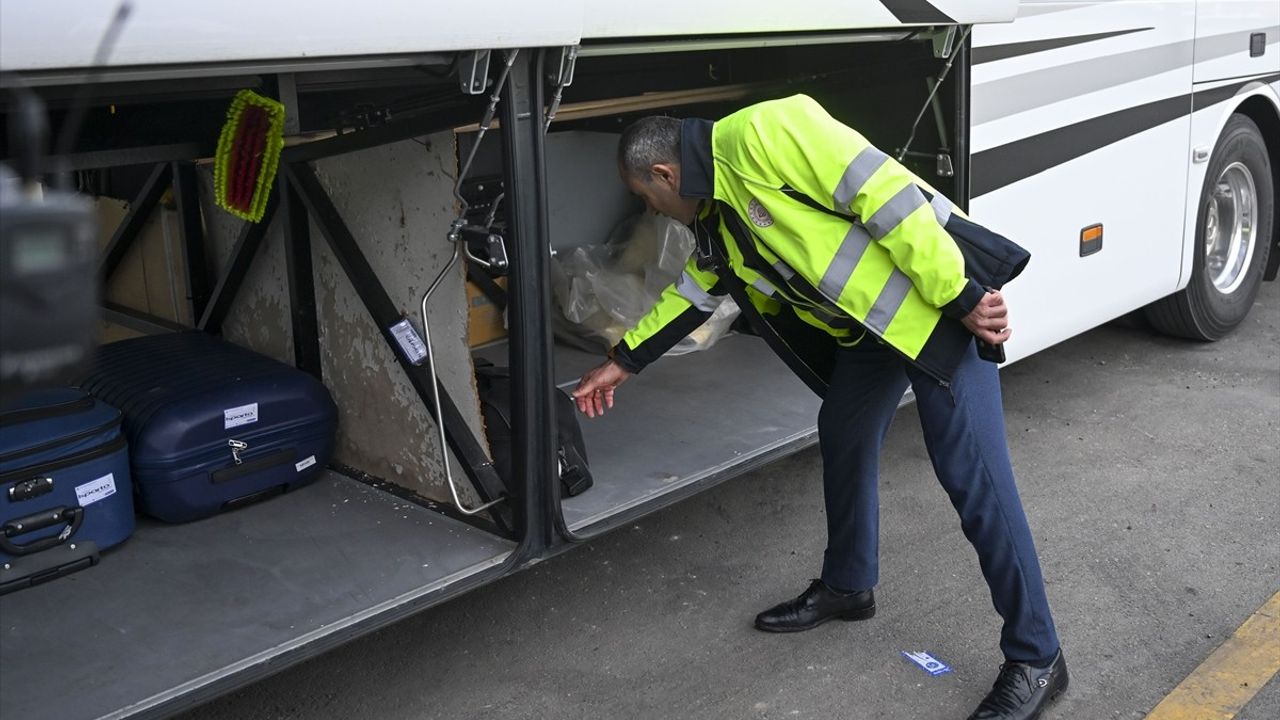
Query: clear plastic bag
(710, 331)
(604, 290)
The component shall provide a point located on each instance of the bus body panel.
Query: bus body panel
(1089, 125)
(1224, 29)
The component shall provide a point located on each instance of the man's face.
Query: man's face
(661, 193)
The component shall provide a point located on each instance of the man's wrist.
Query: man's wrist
(965, 302)
(619, 357)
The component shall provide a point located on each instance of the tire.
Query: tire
(1233, 233)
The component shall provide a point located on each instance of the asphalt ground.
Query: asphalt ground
(1149, 470)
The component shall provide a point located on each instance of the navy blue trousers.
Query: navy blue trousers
(964, 433)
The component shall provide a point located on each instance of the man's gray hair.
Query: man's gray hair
(648, 142)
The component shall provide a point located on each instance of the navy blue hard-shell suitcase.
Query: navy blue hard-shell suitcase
(212, 426)
(65, 490)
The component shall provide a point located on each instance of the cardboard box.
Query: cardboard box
(485, 322)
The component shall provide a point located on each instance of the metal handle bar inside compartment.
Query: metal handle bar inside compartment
(435, 396)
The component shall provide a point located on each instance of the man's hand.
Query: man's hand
(989, 320)
(595, 390)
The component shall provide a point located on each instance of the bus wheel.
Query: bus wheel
(1233, 232)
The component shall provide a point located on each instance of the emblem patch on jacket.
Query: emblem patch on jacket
(758, 215)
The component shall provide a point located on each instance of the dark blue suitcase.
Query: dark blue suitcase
(65, 490)
(212, 426)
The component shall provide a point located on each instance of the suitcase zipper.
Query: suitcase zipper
(272, 459)
(237, 447)
(114, 422)
(223, 449)
(92, 454)
(70, 407)
(220, 457)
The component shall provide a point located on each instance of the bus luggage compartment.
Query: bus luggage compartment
(197, 609)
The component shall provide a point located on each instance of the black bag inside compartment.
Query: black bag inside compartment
(494, 386)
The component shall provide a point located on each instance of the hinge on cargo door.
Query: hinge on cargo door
(473, 71)
(563, 61)
(944, 41)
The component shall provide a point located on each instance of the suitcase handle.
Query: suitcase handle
(242, 467)
(73, 517)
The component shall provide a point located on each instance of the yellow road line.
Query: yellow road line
(1229, 678)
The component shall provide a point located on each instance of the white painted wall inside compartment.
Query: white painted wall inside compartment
(398, 203)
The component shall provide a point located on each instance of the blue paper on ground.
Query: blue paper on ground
(928, 663)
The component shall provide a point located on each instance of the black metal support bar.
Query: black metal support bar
(186, 195)
(488, 286)
(475, 462)
(139, 211)
(960, 78)
(302, 288)
(443, 119)
(532, 407)
(145, 155)
(232, 277)
(138, 320)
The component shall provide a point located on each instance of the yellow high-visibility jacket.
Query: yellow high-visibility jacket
(829, 234)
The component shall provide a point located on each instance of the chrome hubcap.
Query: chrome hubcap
(1229, 220)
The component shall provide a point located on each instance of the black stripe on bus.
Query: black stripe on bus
(916, 11)
(991, 53)
(1006, 164)
(1212, 96)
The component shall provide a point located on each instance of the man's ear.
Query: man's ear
(667, 174)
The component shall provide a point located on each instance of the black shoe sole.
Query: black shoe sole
(1047, 703)
(849, 616)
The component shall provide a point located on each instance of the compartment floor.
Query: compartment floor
(682, 419)
(187, 604)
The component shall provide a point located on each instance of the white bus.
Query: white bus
(1155, 121)
(1133, 147)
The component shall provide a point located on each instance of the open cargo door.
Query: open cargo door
(37, 36)
(667, 18)
(208, 39)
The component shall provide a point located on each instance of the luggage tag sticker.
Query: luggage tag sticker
(311, 460)
(237, 416)
(928, 663)
(100, 489)
(410, 342)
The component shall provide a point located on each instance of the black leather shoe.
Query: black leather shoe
(1022, 692)
(815, 606)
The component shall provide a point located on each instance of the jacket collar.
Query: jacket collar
(697, 170)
